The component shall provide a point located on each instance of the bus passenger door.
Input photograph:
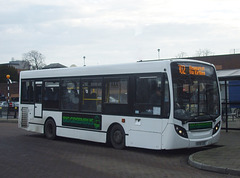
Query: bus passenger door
(38, 99)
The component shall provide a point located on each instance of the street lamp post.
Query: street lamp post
(158, 53)
(84, 61)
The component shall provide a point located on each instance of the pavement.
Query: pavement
(224, 157)
(11, 120)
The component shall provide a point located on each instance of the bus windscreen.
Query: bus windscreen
(195, 91)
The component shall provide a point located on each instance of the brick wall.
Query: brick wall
(222, 62)
(13, 89)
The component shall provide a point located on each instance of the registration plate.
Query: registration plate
(202, 143)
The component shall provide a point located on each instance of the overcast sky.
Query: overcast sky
(117, 31)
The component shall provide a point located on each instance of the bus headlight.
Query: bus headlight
(181, 131)
(216, 127)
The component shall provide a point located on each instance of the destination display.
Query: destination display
(192, 70)
(82, 120)
(186, 69)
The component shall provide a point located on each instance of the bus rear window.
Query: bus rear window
(27, 88)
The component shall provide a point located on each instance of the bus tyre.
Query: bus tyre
(117, 137)
(50, 129)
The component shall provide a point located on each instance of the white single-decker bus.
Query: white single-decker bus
(162, 104)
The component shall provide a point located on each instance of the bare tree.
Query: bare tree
(35, 59)
(73, 65)
(204, 52)
(181, 55)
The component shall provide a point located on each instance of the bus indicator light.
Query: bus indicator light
(123, 120)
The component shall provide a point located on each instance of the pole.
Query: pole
(158, 53)
(84, 61)
(8, 97)
(8, 91)
(226, 105)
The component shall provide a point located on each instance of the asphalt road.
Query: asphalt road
(26, 154)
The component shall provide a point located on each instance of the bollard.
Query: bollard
(0, 111)
(15, 112)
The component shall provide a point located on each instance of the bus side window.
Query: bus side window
(70, 94)
(152, 95)
(116, 91)
(92, 95)
(116, 98)
(51, 95)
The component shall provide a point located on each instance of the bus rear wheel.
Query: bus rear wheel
(50, 129)
(117, 137)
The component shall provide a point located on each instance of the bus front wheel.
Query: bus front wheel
(50, 129)
(117, 137)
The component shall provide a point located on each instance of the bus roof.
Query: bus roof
(147, 66)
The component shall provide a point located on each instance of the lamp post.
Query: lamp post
(158, 53)
(84, 61)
